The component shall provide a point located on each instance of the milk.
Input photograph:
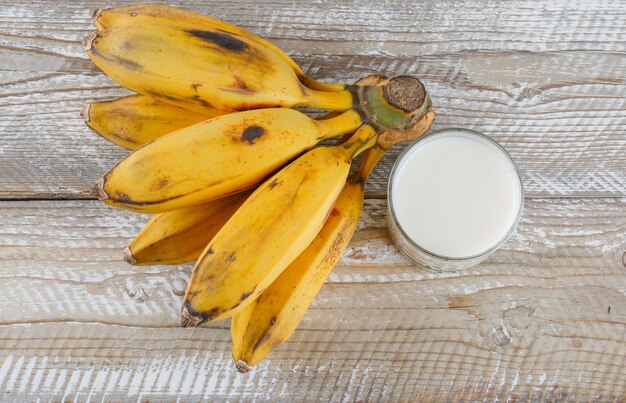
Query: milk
(455, 194)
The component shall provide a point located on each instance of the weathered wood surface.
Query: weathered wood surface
(543, 318)
(546, 79)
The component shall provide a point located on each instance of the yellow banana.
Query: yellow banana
(181, 235)
(214, 158)
(134, 120)
(269, 321)
(204, 68)
(161, 14)
(268, 231)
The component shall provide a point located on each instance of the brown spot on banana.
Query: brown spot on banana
(245, 295)
(129, 64)
(252, 133)
(195, 86)
(274, 183)
(192, 294)
(241, 85)
(223, 40)
(160, 95)
(231, 258)
(162, 183)
(122, 197)
(201, 101)
(256, 105)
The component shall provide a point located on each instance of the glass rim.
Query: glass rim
(416, 143)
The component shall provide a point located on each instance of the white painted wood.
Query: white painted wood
(543, 318)
(546, 79)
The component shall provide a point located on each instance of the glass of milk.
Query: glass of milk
(454, 197)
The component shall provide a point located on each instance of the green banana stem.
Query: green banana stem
(396, 103)
(385, 114)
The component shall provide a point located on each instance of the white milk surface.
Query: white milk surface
(456, 194)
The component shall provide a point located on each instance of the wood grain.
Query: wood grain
(542, 319)
(545, 79)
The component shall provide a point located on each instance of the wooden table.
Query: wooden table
(544, 318)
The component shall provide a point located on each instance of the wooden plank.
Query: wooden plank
(542, 319)
(545, 80)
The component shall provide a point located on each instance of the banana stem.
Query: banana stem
(334, 101)
(363, 139)
(367, 164)
(314, 84)
(384, 141)
(347, 122)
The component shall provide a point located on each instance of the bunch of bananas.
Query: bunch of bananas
(230, 171)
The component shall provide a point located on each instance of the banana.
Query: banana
(204, 68)
(269, 231)
(181, 235)
(214, 158)
(134, 120)
(161, 14)
(271, 318)
(269, 321)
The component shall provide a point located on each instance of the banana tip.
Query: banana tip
(98, 190)
(88, 40)
(128, 256)
(85, 112)
(95, 15)
(242, 366)
(189, 317)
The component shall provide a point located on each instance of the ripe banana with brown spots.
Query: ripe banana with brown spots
(150, 14)
(214, 158)
(272, 227)
(269, 321)
(134, 120)
(181, 235)
(267, 250)
(204, 67)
